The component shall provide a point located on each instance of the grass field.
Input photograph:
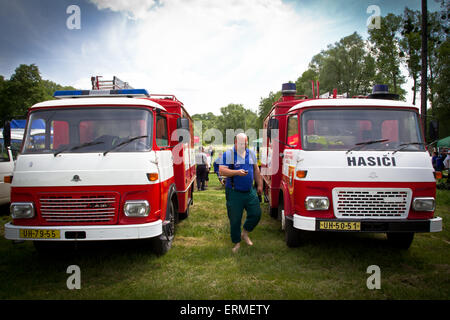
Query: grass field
(200, 264)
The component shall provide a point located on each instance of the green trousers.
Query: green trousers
(236, 203)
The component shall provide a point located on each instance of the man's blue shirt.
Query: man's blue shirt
(233, 161)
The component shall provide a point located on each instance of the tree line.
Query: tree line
(24, 88)
(353, 65)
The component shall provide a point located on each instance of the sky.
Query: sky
(208, 53)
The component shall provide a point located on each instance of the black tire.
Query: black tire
(400, 240)
(292, 235)
(161, 244)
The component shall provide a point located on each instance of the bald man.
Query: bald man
(240, 167)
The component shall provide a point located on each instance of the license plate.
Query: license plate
(40, 234)
(340, 226)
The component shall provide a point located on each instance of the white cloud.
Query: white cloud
(207, 53)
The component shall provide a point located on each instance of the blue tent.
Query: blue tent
(21, 124)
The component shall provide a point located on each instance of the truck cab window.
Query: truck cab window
(161, 131)
(292, 131)
(4, 157)
(80, 130)
(342, 129)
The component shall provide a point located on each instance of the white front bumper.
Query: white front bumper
(93, 233)
(431, 225)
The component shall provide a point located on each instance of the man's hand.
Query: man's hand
(241, 172)
(260, 189)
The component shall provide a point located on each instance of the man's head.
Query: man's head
(240, 142)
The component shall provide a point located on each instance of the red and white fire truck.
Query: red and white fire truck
(111, 164)
(348, 165)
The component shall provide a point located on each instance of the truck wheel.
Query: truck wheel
(400, 240)
(163, 243)
(292, 235)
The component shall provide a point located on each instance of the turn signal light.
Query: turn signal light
(301, 174)
(7, 179)
(152, 176)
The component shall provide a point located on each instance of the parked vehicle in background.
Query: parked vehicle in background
(8, 154)
(348, 165)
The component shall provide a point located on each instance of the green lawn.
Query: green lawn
(200, 264)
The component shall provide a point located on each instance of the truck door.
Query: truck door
(289, 159)
(6, 169)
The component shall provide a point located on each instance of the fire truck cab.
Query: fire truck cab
(348, 165)
(111, 164)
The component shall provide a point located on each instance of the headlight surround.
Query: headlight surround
(136, 208)
(22, 210)
(424, 204)
(317, 203)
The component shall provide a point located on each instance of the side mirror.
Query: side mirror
(273, 124)
(7, 134)
(433, 131)
(182, 127)
(183, 123)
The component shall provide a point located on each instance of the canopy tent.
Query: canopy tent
(257, 141)
(21, 124)
(443, 143)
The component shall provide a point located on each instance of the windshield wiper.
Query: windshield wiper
(124, 143)
(86, 144)
(405, 145)
(362, 144)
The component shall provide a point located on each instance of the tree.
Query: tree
(265, 105)
(303, 83)
(436, 35)
(346, 66)
(441, 107)
(235, 116)
(22, 90)
(410, 45)
(385, 47)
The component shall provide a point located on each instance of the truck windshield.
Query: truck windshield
(361, 129)
(80, 130)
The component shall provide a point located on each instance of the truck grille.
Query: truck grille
(371, 203)
(73, 208)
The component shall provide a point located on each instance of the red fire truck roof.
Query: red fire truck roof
(98, 101)
(352, 102)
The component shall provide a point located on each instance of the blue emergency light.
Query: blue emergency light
(100, 93)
